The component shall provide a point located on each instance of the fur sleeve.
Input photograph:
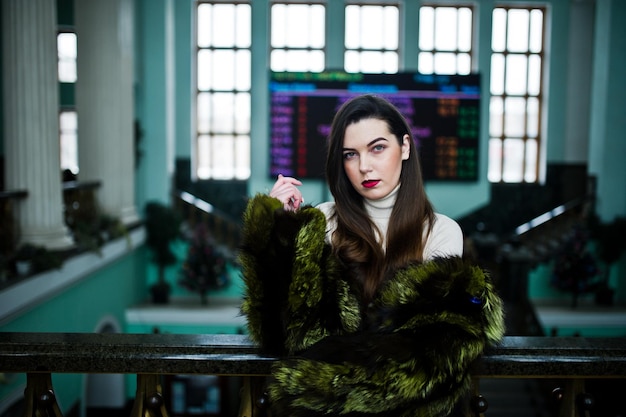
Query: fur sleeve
(427, 327)
(294, 291)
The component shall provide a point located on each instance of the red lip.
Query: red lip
(370, 183)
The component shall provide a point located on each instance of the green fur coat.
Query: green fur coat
(406, 354)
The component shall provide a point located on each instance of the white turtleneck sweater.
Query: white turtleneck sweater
(446, 238)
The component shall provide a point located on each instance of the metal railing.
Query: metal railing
(572, 361)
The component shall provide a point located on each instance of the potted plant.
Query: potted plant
(205, 267)
(162, 225)
(31, 258)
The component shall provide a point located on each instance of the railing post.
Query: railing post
(39, 396)
(149, 397)
(478, 403)
(574, 402)
(253, 402)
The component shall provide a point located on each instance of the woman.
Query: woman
(367, 300)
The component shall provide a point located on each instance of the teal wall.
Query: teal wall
(104, 294)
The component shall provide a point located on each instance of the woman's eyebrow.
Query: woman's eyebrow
(374, 141)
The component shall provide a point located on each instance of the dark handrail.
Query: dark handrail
(516, 357)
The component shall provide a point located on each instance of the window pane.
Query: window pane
(532, 118)
(68, 127)
(203, 156)
(204, 112)
(517, 31)
(498, 30)
(445, 29)
(427, 28)
(495, 116)
(223, 25)
(513, 160)
(372, 27)
(223, 157)
(351, 61)
(445, 63)
(242, 69)
(222, 119)
(426, 63)
(497, 74)
(243, 32)
(464, 64)
(242, 113)
(534, 75)
(66, 49)
(465, 29)
(203, 34)
(223, 69)
(352, 39)
(204, 69)
(514, 119)
(530, 174)
(516, 71)
(242, 149)
(495, 160)
(536, 31)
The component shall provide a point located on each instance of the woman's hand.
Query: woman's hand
(286, 190)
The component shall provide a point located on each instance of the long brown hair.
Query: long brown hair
(354, 240)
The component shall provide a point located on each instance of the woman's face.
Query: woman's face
(372, 157)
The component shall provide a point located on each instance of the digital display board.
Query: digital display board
(442, 111)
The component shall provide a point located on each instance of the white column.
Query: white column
(105, 104)
(31, 119)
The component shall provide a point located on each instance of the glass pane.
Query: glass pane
(514, 116)
(298, 61)
(278, 31)
(426, 63)
(204, 112)
(66, 47)
(391, 27)
(517, 31)
(205, 12)
(204, 70)
(494, 171)
(445, 29)
(495, 116)
(426, 30)
(445, 63)
(497, 74)
(532, 118)
(513, 160)
(223, 157)
(536, 31)
(243, 29)
(68, 126)
(390, 59)
(316, 61)
(223, 25)
(317, 35)
(530, 174)
(298, 26)
(278, 60)
(242, 112)
(498, 30)
(223, 69)
(351, 61)
(516, 71)
(222, 119)
(352, 40)
(242, 69)
(465, 29)
(464, 64)
(242, 152)
(372, 27)
(204, 156)
(371, 61)
(534, 75)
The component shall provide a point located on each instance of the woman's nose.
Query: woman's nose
(364, 165)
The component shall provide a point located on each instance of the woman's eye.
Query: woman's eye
(378, 148)
(349, 155)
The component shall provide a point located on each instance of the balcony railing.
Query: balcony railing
(571, 361)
